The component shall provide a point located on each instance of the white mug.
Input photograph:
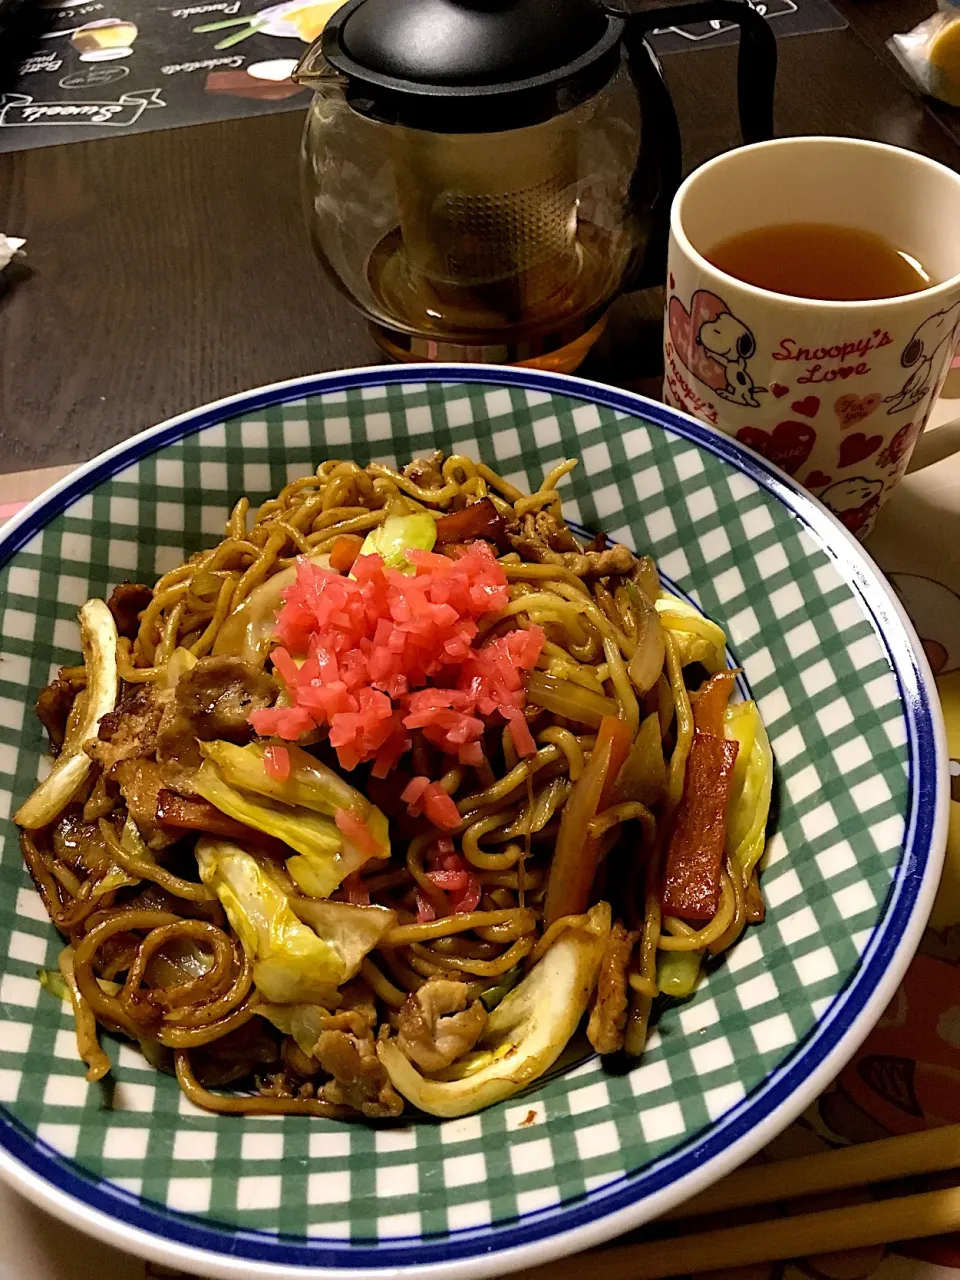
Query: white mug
(835, 393)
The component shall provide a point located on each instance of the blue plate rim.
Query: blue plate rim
(102, 1209)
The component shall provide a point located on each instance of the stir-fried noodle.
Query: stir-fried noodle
(340, 831)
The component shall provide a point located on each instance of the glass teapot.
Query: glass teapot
(483, 177)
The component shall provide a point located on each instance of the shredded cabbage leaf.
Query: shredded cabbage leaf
(98, 637)
(310, 785)
(749, 805)
(524, 1035)
(55, 984)
(53, 981)
(324, 857)
(248, 632)
(291, 964)
(678, 972)
(352, 931)
(302, 1021)
(181, 661)
(699, 639)
(398, 535)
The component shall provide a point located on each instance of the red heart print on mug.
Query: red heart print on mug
(851, 408)
(818, 480)
(788, 445)
(779, 390)
(901, 443)
(857, 447)
(808, 407)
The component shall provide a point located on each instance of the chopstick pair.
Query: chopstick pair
(825, 1231)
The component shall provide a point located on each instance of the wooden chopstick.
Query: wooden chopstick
(826, 1231)
(877, 1222)
(926, 1152)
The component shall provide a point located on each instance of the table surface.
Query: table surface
(172, 268)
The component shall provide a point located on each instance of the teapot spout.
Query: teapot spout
(313, 71)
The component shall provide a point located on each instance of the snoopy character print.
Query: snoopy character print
(927, 356)
(716, 347)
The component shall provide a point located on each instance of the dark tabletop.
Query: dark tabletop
(171, 268)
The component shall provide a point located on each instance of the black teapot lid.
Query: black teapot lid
(471, 66)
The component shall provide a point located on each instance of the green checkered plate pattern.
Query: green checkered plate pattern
(849, 872)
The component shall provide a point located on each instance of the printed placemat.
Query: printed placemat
(106, 69)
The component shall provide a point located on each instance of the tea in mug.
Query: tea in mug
(820, 260)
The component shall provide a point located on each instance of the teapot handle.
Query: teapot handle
(660, 167)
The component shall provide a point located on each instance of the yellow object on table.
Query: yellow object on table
(944, 55)
(930, 54)
(310, 19)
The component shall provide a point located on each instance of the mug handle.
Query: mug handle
(660, 165)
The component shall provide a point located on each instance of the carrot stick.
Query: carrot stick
(691, 883)
(344, 551)
(711, 702)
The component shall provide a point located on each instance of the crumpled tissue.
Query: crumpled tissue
(10, 246)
